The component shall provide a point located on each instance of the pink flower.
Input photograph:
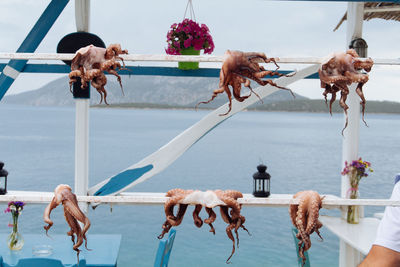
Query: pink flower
(197, 44)
(186, 34)
(188, 42)
(204, 28)
(177, 44)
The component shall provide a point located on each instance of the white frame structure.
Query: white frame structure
(348, 255)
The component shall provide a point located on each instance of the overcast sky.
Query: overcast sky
(278, 28)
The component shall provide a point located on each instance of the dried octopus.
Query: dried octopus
(304, 217)
(90, 63)
(341, 70)
(209, 199)
(237, 67)
(63, 195)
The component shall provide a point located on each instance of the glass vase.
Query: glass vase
(353, 212)
(189, 65)
(15, 241)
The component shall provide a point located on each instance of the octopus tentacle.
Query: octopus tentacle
(225, 215)
(304, 217)
(229, 198)
(75, 230)
(197, 220)
(362, 103)
(228, 92)
(72, 208)
(230, 235)
(210, 219)
(46, 216)
(214, 95)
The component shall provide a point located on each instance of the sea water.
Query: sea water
(302, 152)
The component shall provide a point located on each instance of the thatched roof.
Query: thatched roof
(380, 10)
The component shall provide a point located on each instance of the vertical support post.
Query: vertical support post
(82, 15)
(31, 42)
(348, 256)
(82, 98)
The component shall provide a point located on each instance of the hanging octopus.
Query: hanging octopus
(341, 70)
(304, 217)
(209, 199)
(63, 195)
(90, 63)
(237, 67)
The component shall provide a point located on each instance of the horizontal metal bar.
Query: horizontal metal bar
(138, 198)
(137, 70)
(179, 58)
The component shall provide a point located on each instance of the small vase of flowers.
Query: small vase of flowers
(355, 171)
(189, 38)
(15, 240)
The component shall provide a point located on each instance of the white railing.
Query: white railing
(142, 198)
(173, 58)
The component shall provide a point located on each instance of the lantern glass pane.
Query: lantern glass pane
(2, 185)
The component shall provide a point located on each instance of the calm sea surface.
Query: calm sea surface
(302, 151)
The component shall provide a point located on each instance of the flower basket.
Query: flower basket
(189, 65)
(355, 171)
(189, 38)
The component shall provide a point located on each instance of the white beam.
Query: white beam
(148, 198)
(168, 58)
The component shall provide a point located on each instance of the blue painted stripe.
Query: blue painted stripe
(122, 179)
(6, 82)
(145, 71)
(34, 38)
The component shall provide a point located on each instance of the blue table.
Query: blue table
(104, 249)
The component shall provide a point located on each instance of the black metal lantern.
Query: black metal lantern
(3, 179)
(261, 182)
(360, 45)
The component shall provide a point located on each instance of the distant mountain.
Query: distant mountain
(173, 91)
(177, 92)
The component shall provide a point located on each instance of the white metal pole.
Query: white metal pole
(82, 15)
(82, 148)
(348, 256)
(82, 19)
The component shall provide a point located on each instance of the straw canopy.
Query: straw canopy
(377, 10)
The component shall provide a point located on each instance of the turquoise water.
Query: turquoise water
(302, 151)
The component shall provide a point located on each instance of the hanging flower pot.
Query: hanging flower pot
(189, 65)
(189, 38)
